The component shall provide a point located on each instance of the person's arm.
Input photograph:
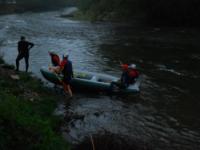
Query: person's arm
(62, 66)
(30, 45)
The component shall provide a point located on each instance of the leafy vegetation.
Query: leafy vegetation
(30, 5)
(112, 9)
(26, 114)
(40, 5)
(170, 12)
(161, 12)
(165, 12)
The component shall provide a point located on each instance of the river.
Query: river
(166, 113)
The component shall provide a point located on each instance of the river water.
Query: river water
(166, 113)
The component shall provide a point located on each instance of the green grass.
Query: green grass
(27, 124)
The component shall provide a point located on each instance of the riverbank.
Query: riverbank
(77, 14)
(7, 9)
(26, 113)
(12, 8)
(28, 121)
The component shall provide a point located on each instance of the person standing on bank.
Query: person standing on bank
(23, 52)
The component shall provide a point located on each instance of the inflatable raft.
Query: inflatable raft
(89, 80)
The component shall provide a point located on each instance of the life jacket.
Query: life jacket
(132, 75)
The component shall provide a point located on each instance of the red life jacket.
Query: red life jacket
(133, 73)
(63, 63)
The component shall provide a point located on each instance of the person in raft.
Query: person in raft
(132, 75)
(23, 52)
(66, 69)
(128, 76)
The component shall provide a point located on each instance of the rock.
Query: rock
(31, 99)
(15, 77)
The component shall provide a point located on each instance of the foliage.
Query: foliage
(102, 9)
(27, 124)
(179, 12)
(40, 5)
(168, 12)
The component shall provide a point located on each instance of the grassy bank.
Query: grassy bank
(26, 114)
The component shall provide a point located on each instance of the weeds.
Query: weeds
(26, 114)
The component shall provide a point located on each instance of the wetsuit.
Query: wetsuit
(67, 71)
(23, 49)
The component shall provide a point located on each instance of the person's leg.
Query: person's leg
(67, 88)
(27, 62)
(19, 57)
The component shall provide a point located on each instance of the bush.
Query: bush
(165, 12)
(40, 5)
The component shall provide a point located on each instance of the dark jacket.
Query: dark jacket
(68, 70)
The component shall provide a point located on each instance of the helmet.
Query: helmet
(132, 66)
(52, 52)
(65, 55)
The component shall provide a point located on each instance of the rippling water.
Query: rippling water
(165, 113)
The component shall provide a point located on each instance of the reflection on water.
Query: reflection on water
(167, 109)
